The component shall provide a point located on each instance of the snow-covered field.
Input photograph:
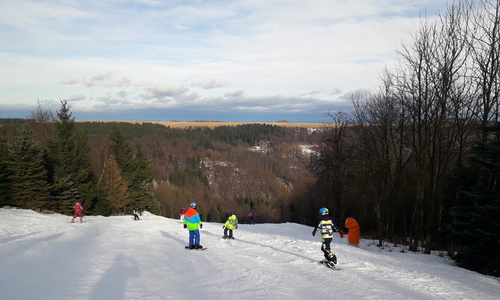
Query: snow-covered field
(46, 257)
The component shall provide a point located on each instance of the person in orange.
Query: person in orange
(353, 235)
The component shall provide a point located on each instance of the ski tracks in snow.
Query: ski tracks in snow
(45, 257)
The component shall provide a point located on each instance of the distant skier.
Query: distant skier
(78, 208)
(230, 225)
(182, 214)
(250, 217)
(353, 233)
(327, 228)
(192, 222)
(136, 214)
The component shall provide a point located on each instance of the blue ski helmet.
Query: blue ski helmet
(323, 211)
(193, 205)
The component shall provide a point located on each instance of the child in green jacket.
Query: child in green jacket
(231, 223)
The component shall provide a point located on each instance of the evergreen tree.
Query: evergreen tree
(136, 171)
(4, 174)
(123, 152)
(142, 173)
(218, 215)
(65, 195)
(476, 230)
(69, 159)
(28, 175)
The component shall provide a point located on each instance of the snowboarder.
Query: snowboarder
(250, 217)
(327, 227)
(192, 222)
(182, 214)
(231, 223)
(78, 208)
(353, 234)
(136, 214)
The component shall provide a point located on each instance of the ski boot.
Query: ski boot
(332, 261)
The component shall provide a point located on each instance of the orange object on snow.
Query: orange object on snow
(353, 226)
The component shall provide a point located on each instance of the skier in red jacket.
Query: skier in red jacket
(78, 211)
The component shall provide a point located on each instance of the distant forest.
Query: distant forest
(114, 167)
(416, 162)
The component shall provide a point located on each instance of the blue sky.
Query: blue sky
(242, 60)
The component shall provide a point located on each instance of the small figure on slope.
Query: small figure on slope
(78, 208)
(182, 214)
(250, 217)
(192, 222)
(327, 227)
(136, 214)
(231, 223)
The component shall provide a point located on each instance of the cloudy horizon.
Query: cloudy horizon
(233, 60)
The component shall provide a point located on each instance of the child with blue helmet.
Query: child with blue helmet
(327, 227)
(192, 222)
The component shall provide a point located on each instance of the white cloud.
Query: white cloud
(234, 94)
(209, 84)
(106, 80)
(210, 54)
(76, 98)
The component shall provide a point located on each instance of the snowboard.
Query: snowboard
(329, 266)
(187, 248)
(228, 238)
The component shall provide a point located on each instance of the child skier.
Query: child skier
(192, 222)
(136, 214)
(231, 223)
(182, 214)
(78, 208)
(250, 217)
(327, 228)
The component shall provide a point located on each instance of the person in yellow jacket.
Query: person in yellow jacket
(231, 223)
(353, 234)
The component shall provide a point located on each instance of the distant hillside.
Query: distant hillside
(213, 124)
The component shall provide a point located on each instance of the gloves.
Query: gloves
(341, 234)
(314, 233)
(201, 225)
(185, 226)
(223, 227)
(236, 227)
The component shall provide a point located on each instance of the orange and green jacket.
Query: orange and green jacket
(192, 219)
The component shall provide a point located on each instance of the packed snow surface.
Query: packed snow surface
(47, 257)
